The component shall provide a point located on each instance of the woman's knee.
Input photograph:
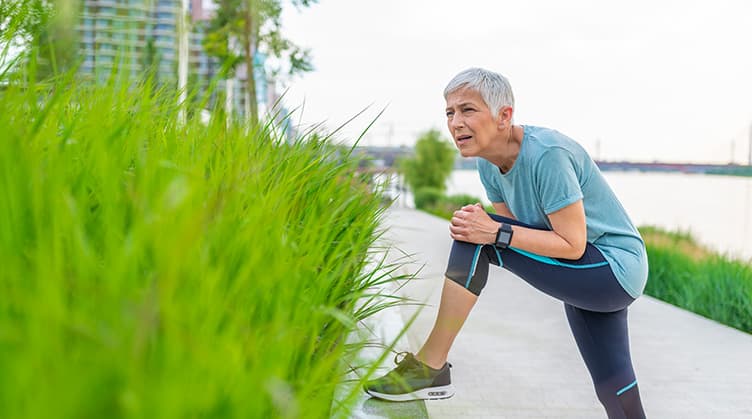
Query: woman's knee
(474, 284)
(468, 266)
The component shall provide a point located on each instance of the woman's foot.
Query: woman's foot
(412, 380)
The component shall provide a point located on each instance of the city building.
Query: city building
(134, 34)
(202, 67)
(138, 35)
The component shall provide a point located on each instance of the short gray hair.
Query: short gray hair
(493, 87)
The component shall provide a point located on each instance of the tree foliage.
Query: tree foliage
(240, 28)
(20, 20)
(42, 30)
(432, 163)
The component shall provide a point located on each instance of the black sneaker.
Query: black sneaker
(412, 380)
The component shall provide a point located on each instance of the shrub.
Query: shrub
(431, 165)
(445, 206)
(461, 200)
(427, 197)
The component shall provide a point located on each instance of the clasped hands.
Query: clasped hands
(472, 224)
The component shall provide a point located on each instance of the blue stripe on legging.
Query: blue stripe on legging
(475, 265)
(619, 393)
(498, 257)
(550, 261)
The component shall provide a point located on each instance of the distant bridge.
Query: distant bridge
(383, 160)
(700, 168)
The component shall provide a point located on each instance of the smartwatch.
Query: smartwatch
(503, 236)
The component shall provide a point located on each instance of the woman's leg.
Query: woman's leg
(603, 341)
(596, 309)
(454, 308)
(586, 285)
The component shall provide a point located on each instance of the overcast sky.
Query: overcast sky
(639, 80)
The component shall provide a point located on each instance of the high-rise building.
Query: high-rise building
(138, 34)
(201, 66)
(141, 35)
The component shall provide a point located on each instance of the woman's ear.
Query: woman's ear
(505, 116)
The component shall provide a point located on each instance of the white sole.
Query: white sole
(431, 393)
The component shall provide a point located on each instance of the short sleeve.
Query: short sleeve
(486, 178)
(557, 182)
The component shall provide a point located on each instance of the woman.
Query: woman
(557, 226)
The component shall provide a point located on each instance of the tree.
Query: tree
(43, 31)
(20, 20)
(432, 163)
(21, 23)
(256, 26)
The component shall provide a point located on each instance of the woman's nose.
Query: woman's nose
(456, 121)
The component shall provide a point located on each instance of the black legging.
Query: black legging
(595, 303)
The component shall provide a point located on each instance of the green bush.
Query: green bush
(445, 206)
(427, 197)
(432, 163)
(461, 200)
(158, 270)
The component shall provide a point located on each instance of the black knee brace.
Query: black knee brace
(468, 265)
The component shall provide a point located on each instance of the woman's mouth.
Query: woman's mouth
(463, 139)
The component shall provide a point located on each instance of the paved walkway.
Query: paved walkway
(516, 358)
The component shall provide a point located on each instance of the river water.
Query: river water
(716, 210)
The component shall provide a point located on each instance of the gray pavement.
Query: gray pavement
(516, 358)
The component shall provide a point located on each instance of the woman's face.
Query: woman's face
(470, 122)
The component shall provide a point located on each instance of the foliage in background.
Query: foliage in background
(152, 269)
(685, 274)
(431, 164)
(256, 26)
(732, 171)
(435, 202)
(427, 197)
(22, 20)
(44, 30)
(426, 173)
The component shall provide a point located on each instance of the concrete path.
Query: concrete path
(516, 358)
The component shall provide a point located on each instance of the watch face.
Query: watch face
(503, 237)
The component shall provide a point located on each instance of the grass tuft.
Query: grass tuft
(152, 269)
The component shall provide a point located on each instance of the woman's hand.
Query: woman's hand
(472, 224)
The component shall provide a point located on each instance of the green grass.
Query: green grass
(155, 270)
(685, 274)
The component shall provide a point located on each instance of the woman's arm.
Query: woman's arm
(502, 209)
(567, 240)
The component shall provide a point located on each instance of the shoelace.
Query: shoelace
(403, 363)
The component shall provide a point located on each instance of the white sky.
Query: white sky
(647, 79)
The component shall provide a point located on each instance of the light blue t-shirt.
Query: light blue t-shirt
(553, 171)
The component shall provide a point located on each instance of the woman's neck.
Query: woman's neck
(509, 148)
